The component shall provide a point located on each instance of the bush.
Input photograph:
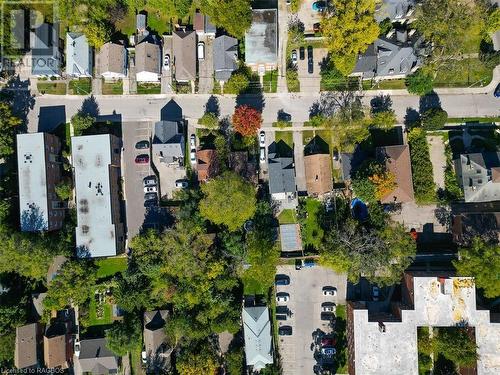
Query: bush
(434, 119)
(420, 83)
(421, 165)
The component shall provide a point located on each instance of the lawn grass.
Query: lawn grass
(107, 316)
(271, 81)
(81, 86)
(111, 266)
(464, 73)
(54, 88)
(287, 216)
(285, 136)
(312, 233)
(148, 88)
(112, 88)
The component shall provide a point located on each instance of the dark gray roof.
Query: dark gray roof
(225, 57)
(281, 174)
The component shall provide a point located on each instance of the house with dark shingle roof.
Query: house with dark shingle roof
(27, 346)
(258, 339)
(45, 55)
(397, 161)
(318, 170)
(225, 57)
(282, 185)
(184, 49)
(112, 60)
(96, 358)
(78, 55)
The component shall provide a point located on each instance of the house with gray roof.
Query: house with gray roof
(95, 358)
(168, 143)
(148, 61)
(155, 345)
(27, 346)
(261, 40)
(184, 49)
(112, 61)
(96, 166)
(45, 55)
(391, 57)
(78, 55)
(395, 10)
(479, 176)
(282, 185)
(225, 57)
(258, 339)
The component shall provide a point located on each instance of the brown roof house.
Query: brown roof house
(57, 345)
(155, 346)
(148, 61)
(208, 164)
(112, 61)
(95, 358)
(318, 174)
(27, 346)
(397, 161)
(184, 47)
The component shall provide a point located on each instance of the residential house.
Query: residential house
(397, 162)
(203, 26)
(383, 339)
(148, 61)
(390, 57)
(112, 60)
(79, 57)
(207, 164)
(184, 49)
(261, 40)
(155, 344)
(395, 10)
(45, 54)
(240, 164)
(39, 172)
(290, 238)
(169, 144)
(318, 169)
(95, 358)
(225, 57)
(258, 339)
(58, 345)
(96, 163)
(282, 180)
(27, 346)
(479, 176)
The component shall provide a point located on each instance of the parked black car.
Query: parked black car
(285, 331)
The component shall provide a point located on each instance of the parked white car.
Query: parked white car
(150, 189)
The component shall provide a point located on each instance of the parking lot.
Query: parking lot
(300, 354)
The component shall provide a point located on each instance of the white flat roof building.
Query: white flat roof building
(388, 344)
(39, 170)
(96, 163)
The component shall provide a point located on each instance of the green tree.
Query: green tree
(197, 363)
(234, 16)
(81, 122)
(434, 119)
(456, 345)
(73, 285)
(64, 190)
(229, 200)
(349, 30)
(481, 261)
(421, 165)
(238, 83)
(8, 128)
(124, 336)
(420, 83)
(384, 119)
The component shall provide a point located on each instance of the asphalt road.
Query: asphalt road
(49, 111)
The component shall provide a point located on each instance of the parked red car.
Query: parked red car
(142, 159)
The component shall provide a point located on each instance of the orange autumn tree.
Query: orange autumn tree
(246, 120)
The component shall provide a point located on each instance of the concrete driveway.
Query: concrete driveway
(310, 82)
(298, 351)
(206, 66)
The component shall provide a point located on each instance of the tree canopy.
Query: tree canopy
(229, 200)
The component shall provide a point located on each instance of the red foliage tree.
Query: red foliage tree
(246, 120)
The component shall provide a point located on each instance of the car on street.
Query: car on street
(329, 291)
(262, 139)
(281, 317)
(150, 189)
(181, 184)
(262, 155)
(149, 181)
(142, 145)
(77, 347)
(201, 51)
(375, 293)
(149, 196)
(310, 60)
(281, 280)
(496, 93)
(328, 351)
(192, 156)
(282, 297)
(328, 307)
(166, 62)
(294, 56)
(192, 141)
(285, 331)
(319, 6)
(302, 54)
(142, 159)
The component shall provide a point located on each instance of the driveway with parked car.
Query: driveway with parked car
(306, 305)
